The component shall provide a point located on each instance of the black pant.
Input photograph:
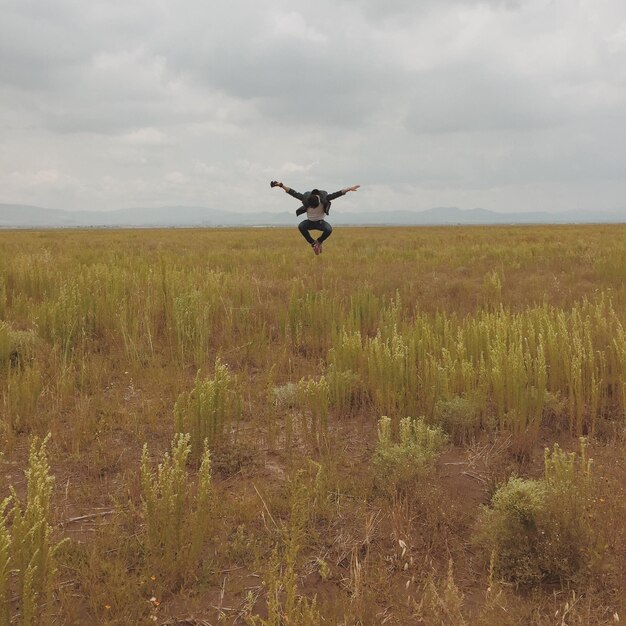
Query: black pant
(306, 225)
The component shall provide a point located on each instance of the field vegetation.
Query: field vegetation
(419, 426)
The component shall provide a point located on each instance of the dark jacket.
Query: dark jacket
(325, 198)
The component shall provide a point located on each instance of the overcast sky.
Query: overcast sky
(502, 104)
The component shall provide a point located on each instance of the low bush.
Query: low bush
(459, 417)
(285, 395)
(400, 465)
(16, 346)
(538, 531)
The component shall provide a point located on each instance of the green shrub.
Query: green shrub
(459, 417)
(509, 529)
(539, 530)
(285, 603)
(207, 409)
(347, 390)
(442, 602)
(27, 552)
(285, 395)
(5, 563)
(16, 346)
(19, 402)
(399, 466)
(176, 517)
(314, 398)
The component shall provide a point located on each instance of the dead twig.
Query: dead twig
(82, 518)
(185, 621)
(265, 506)
(475, 477)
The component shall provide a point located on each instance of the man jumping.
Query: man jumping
(316, 204)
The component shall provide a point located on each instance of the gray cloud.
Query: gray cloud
(503, 104)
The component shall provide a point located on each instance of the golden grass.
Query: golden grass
(509, 339)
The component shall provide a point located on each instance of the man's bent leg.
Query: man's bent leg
(304, 227)
(326, 229)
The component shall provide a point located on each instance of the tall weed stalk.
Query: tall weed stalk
(26, 546)
(208, 409)
(177, 518)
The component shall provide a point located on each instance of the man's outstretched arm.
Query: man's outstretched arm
(291, 192)
(343, 192)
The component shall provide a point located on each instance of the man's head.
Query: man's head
(313, 200)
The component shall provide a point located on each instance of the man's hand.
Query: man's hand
(353, 188)
(275, 183)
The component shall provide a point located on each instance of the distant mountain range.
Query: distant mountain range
(23, 216)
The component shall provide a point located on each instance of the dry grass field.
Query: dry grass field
(419, 426)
